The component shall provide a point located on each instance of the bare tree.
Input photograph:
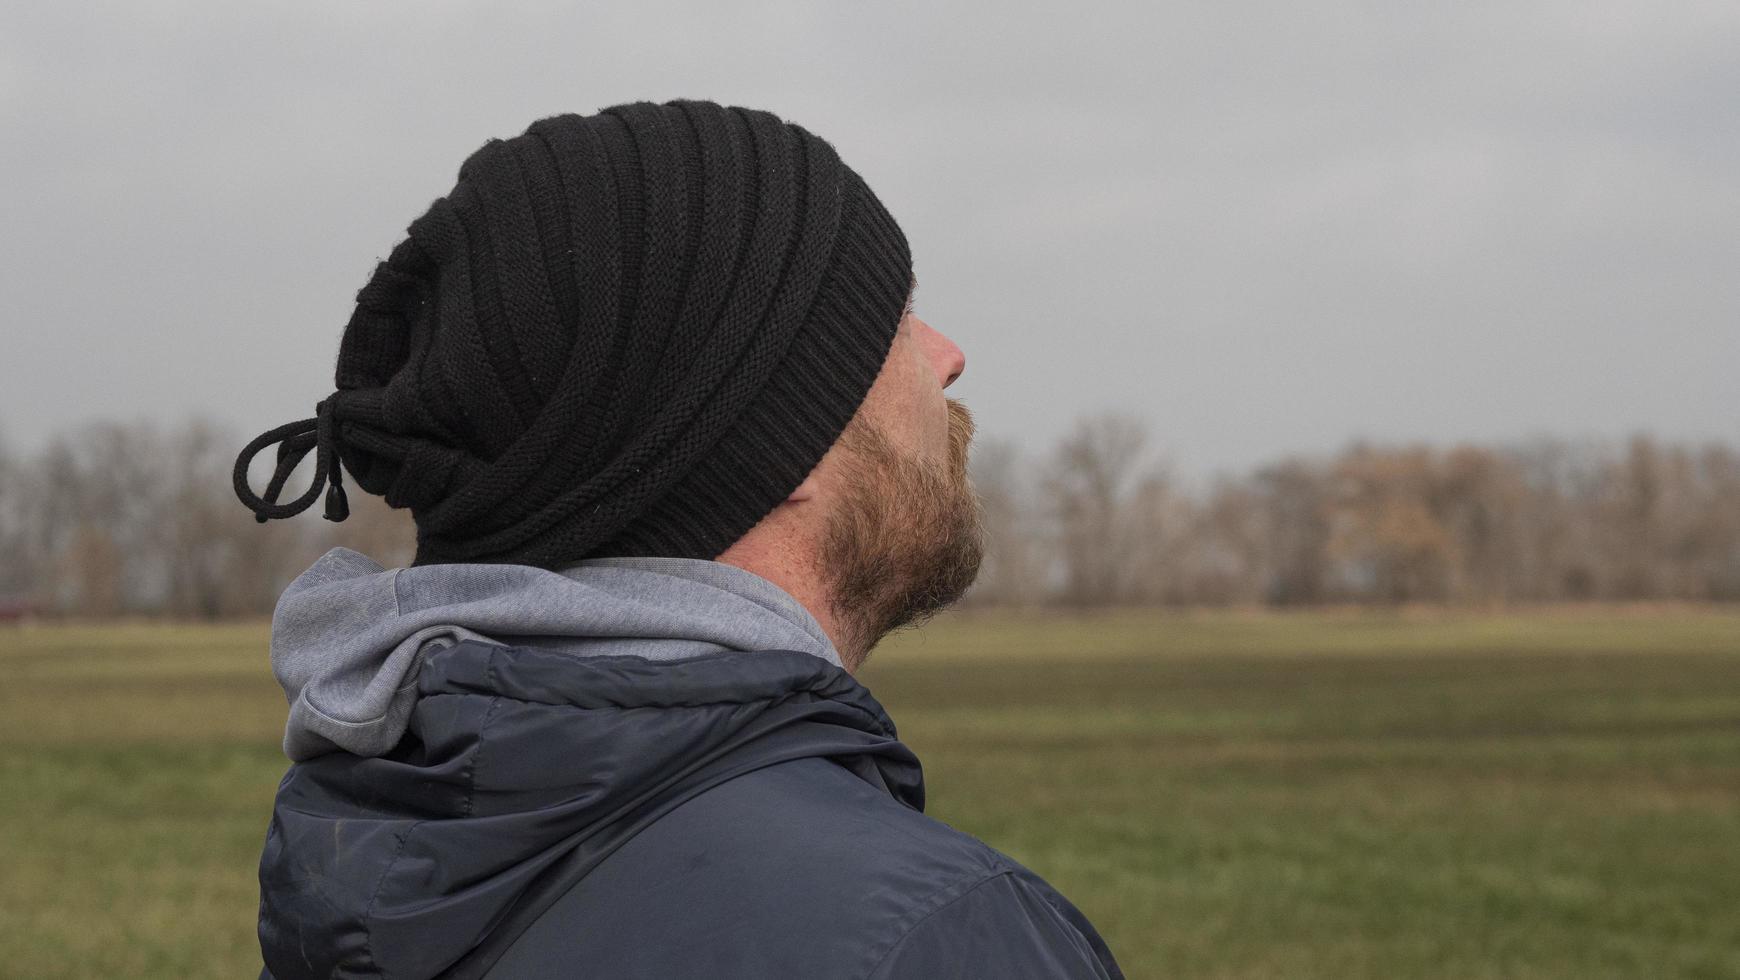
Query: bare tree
(1229, 561)
(1715, 533)
(93, 511)
(386, 534)
(1296, 505)
(1161, 523)
(1090, 485)
(1014, 569)
(20, 572)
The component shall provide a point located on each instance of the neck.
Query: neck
(792, 566)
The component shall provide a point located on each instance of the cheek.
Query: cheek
(911, 408)
(928, 402)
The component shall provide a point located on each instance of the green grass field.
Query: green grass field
(1227, 795)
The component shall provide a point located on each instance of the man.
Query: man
(678, 458)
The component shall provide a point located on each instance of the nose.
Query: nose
(945, 357)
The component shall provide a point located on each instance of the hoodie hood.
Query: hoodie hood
(347, 634)
(446, 786)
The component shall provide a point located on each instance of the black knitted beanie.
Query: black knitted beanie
(631, 333)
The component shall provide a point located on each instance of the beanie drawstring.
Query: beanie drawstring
(295, 440)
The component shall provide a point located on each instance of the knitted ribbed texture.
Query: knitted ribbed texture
(632, 333)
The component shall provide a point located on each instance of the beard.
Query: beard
(906, 540)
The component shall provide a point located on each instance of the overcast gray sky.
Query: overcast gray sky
(1265, 227)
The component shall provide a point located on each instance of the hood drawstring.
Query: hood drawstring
(295, 440)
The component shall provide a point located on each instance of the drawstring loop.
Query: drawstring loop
(295, 440)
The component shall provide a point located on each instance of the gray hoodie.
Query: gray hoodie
(348, 635)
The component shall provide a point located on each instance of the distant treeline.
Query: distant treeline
(136, 519)
(1094, 523)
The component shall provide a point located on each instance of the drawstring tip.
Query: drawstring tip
(337, 506)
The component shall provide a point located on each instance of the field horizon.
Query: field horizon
(1552, 792)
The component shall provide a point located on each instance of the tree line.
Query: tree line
(1096, 522)
(138, 519)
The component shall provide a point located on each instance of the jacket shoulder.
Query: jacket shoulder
(1011, 926)
(797, 869)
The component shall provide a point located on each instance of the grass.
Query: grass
(1332, 794)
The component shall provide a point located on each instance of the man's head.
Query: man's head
(645, 332)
